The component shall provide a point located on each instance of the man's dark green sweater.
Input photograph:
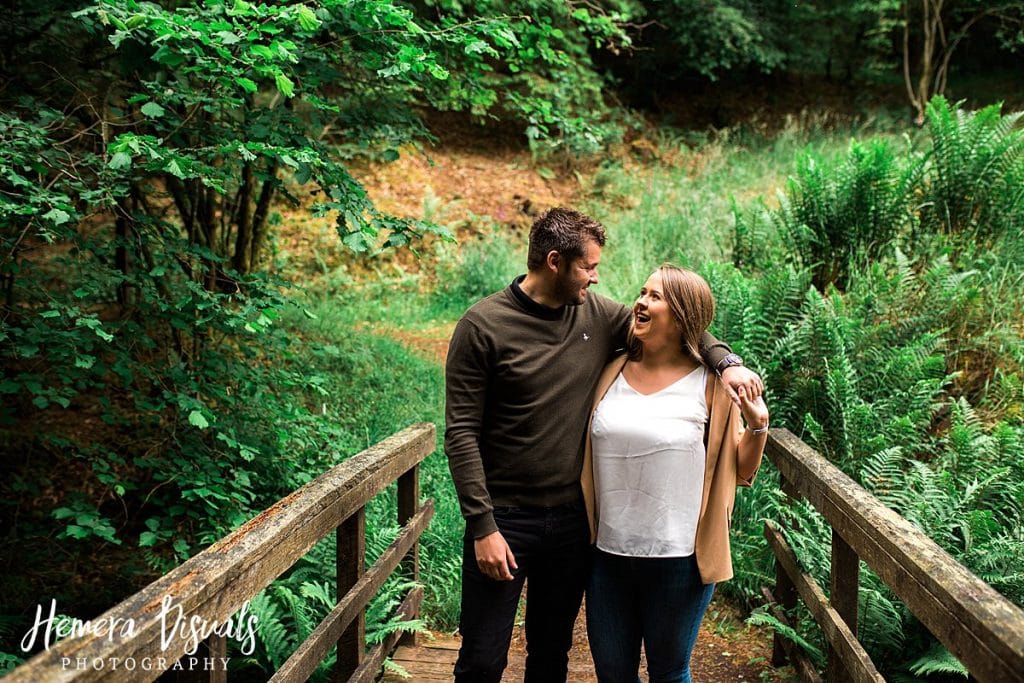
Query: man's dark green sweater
(520, 380)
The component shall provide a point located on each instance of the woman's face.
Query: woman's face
(652, 318)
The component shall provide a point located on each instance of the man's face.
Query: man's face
(576, 275)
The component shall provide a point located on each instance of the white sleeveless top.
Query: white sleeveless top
(649, 467)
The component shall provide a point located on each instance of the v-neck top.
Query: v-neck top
(649, 459)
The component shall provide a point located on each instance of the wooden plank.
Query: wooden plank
(216, 583)
(351, 564)
(844, 588)
(314, 649)
(979, 626)
(856, 665)
(448, 643)
(796, 655)
(424, 654)
(370, 667)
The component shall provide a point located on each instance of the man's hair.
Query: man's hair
(689, 297)
(562, 230)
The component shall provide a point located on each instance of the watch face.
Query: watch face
(732, 359)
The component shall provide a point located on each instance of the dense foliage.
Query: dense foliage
(902, 360)
(147, 151)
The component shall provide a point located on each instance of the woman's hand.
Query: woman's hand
(755, 412)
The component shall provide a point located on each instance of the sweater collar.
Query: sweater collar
(531, 306)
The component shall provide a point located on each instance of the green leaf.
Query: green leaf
(284, 84)
(307, 19)
(247, 84)
(262, 51)
(152, 109)
(147, 539)
(120, 160)
(58, 216)
(174, 169)
(390, 155)
(197, 419)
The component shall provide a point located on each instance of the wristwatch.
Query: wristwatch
(730, 360)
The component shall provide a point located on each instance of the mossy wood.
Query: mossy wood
(983, 629)
(216, 583)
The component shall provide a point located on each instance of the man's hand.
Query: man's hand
(494, 557)
(742, 381)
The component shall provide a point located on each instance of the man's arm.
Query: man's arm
(466, 375)
(739, 380)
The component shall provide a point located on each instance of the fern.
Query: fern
(973, 184)
(938, 660)
(761, 617)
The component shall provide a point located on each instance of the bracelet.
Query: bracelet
(759, 430)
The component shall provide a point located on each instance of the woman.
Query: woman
(665, 452)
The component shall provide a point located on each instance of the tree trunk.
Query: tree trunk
(243, 226)
(261, 214)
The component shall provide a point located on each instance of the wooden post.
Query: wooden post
(785, 589)
(207, 667)
(218, 650)
(351, 565)
(408, 503)
(845, 586)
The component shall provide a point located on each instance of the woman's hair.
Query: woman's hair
(689, 298)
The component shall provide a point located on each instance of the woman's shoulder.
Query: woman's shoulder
(608, 375)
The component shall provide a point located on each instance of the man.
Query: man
(521, 371)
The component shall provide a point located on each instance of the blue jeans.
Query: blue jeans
(659, 601)
(552, 550)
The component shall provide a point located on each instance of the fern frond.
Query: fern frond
(938, 660)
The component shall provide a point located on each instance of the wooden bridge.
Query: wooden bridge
(981, 628)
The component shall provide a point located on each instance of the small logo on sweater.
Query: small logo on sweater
(586, 337)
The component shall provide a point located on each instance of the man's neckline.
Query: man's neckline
(537, 309)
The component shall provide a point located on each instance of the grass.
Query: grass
(375, 388)
(682, 211)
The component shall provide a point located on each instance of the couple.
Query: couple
(571, 420)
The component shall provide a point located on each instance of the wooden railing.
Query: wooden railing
(984, 630)
(216, 583)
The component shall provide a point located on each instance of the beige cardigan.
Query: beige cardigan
(720, 476)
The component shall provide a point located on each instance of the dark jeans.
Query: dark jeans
(552, 549)
(657, 600)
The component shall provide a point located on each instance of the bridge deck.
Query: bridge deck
(726, 650)
(434, 660)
